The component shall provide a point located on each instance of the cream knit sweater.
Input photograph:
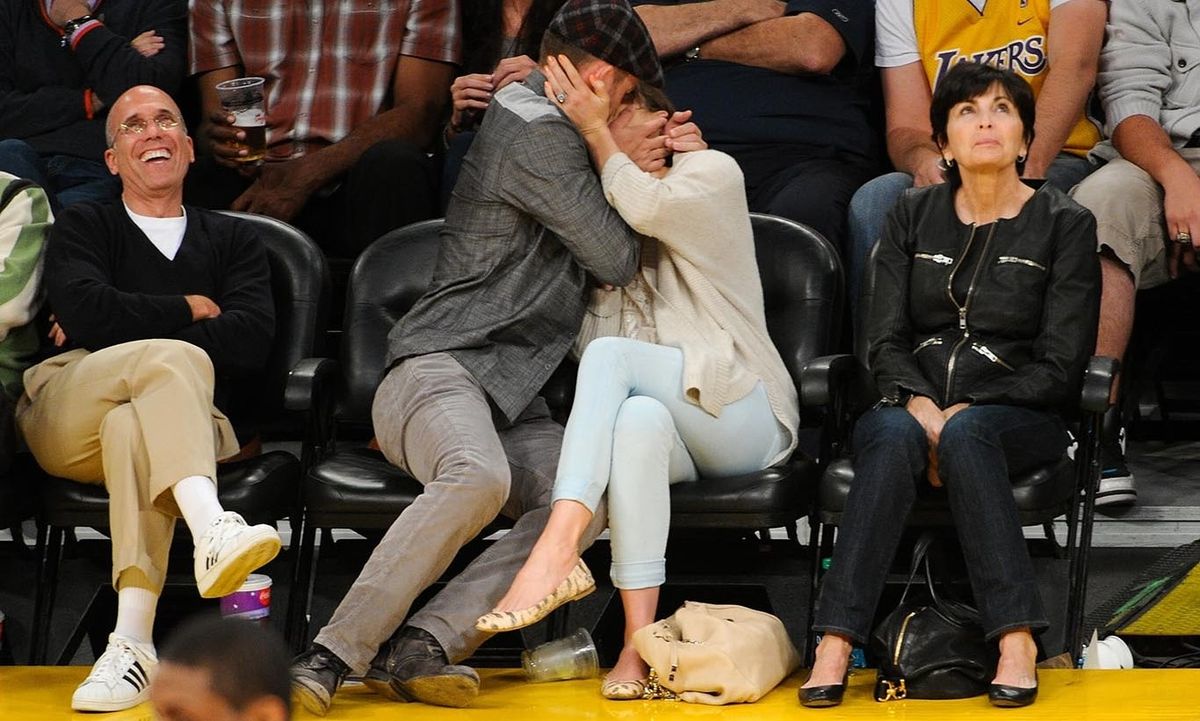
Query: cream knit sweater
(707, 294)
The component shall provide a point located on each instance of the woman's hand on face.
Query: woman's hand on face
(683, 136)
(640, 135)
(512, 70)
(469, 93)
(585, 104)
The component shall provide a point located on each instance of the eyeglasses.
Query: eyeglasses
(137, 126)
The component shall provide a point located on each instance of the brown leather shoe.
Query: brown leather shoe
(411, 666)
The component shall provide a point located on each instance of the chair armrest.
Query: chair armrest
(839, 381)
(1098, 382)
(841, 389)
(310, 390)
(824, 379)
(308, 383)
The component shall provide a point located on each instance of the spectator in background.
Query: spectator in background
(158, 307)
(1054, 44)
(62, 64)
(355, 92)
(500, 40)
(1147, 197)
(783, 88)
(215, 669)
(24, 222)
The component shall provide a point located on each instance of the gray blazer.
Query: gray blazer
(526, 226)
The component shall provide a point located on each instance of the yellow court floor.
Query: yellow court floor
(29, 693)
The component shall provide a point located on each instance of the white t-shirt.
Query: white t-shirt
(896, 33)
(165, 233)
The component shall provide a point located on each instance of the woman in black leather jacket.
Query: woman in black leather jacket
(983, 318)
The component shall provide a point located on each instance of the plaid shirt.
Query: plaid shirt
(527, 224)
(328, 63)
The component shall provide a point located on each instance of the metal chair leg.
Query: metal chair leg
(1089, 466)
(296, 624)
(50, 541)
(815, 546)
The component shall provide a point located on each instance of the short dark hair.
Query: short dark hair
(968, 80)
(245, 661)
(654, 99)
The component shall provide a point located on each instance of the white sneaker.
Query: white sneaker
(229, 551)
(120, 679)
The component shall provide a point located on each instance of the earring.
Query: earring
(1021, 158)
(946, 163)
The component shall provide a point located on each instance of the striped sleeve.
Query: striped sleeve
(24, 224)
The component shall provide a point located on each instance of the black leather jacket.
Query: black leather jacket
(1020, 324)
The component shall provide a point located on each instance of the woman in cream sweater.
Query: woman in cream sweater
(689, 386)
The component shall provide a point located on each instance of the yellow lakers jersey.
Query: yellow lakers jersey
(1006, 33)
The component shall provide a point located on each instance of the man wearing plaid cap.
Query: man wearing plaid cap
(527, 232)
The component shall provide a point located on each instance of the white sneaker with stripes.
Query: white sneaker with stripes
(120, 679)
(229, 551)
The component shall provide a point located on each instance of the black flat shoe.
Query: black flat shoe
(824, 696)
(1011, 696)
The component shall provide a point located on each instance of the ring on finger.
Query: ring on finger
(1183, 237)
(560, 96)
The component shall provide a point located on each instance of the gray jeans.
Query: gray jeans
(433, 420)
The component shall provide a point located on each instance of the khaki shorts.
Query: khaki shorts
(1128, 206)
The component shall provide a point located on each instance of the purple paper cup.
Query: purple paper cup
(250, 602)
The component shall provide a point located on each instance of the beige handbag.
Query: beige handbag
(716, 655)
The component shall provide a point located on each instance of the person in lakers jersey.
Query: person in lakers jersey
(1052, 44)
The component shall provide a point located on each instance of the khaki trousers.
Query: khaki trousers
(1128, 206)
(137, 418)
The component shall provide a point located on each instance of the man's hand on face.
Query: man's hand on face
(202, 307)
(281, 190)
(63, 10)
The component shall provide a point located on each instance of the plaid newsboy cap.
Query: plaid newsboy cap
(611, 31)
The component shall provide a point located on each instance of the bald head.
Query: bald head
(131, 98)
(149, 148)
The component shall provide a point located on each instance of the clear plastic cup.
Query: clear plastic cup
(569, 657)
(245, 100)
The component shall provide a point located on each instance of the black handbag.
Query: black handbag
(932, 649)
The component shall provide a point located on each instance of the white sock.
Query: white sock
(135, 613)
(197, 500)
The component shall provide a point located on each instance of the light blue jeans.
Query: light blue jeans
(632, 433)
(870, 206)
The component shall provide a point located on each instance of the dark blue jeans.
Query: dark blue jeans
(65, 179)
(978, 450)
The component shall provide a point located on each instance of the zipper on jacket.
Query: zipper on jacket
(1021, 261)
(928, 342)
(987, 353)
(935, 257)
(966, 304)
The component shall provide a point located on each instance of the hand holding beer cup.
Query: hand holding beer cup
(239, 131)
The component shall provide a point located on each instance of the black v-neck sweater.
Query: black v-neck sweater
(108, 284)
